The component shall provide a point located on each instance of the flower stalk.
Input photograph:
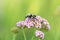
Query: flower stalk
(24, 34)
(14, 36)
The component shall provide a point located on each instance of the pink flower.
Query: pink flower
(20, 24)
(45, 21)
(39, 18)
(39, 34)
(48, 27)
(38, 22)
(35, 21)
(29, 23)
(45, 24)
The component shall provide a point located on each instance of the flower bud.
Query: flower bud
(15, 29)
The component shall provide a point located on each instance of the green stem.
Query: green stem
(24, 34)
(32, 38)
(39, 39)
(33, 35)
(14, 36)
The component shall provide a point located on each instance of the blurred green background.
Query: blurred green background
(12, 11)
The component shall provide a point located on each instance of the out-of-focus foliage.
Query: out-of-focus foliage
(12, 11)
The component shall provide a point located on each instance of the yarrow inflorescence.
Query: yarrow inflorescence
(34, 21)
(39, 34)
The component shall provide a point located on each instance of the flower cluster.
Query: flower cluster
(39, 34)
(34, 21)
